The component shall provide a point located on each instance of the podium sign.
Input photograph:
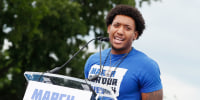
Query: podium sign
(47, 86)
(43, 91)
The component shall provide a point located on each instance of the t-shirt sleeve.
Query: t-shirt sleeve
(150, 78)
(86, 68)
(90, 61)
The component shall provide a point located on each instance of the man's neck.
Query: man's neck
(116, 51)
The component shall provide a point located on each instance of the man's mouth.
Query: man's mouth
(118, 40)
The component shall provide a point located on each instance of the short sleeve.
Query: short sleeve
(86, 68)
(150, 78)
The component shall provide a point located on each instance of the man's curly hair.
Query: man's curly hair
(127, 11)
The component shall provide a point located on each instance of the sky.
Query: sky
(172, 39)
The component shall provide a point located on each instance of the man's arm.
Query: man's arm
(156, 95)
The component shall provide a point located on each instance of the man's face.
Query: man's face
(122, 33)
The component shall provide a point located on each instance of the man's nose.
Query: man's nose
(120, 30)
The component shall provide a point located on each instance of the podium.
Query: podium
(47, 86)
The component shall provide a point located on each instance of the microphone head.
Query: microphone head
(106, 39)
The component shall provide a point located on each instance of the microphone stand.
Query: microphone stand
(55, 70)
(96, 76)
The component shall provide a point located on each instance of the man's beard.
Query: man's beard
(116, 49)
(124, 48)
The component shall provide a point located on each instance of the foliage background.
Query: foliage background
(37, 29)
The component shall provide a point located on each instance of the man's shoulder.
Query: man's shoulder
(143, 58)
(139, 54)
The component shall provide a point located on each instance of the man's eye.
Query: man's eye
(128, 28)
(116, 25)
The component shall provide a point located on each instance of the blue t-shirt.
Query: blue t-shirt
(131, 76)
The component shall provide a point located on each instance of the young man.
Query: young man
(131, 74)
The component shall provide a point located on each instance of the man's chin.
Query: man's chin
(117, 48)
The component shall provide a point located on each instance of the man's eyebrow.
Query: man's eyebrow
(127, 25)
(116, 23)
(122, 24)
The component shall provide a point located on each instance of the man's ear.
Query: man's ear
(108, 28)
(135, 35)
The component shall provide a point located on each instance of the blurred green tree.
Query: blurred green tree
(38, 29)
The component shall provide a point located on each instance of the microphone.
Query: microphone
(106, 39)
(96, 76)
(55, 70)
